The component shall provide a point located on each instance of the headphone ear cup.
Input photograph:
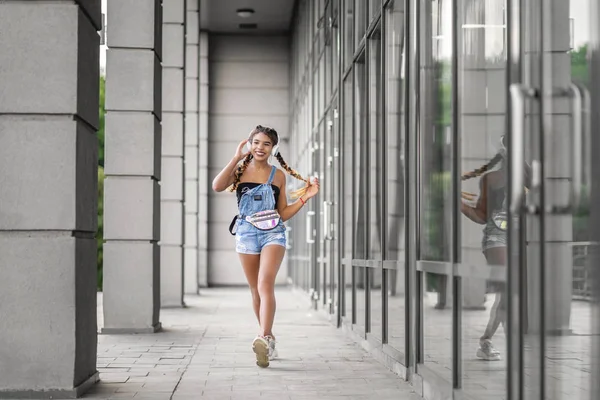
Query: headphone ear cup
(275, 150)
(248, 145)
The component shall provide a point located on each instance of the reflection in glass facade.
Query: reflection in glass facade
(453, 235)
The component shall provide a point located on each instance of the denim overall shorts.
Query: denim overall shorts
(248, 238)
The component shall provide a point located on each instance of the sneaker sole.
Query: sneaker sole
(483, 356)
(261, 349)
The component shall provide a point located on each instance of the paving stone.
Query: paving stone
(213, 359)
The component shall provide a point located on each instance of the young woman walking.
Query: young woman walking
(258, 227)
(491, 210)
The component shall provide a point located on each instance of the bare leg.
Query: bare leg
(270, 261)
(497, 317)
(496, 256)
(251, 265)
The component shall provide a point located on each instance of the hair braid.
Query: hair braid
(483, 169)
(239, 171)
(295, 194)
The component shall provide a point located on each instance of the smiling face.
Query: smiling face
(262, 146)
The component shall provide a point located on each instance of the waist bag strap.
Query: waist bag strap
(232, 225)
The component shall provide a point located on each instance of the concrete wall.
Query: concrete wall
(248, 86)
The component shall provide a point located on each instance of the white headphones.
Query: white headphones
(275, 150)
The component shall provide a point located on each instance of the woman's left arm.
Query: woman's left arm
(287, 211)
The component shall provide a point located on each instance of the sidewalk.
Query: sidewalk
(204, 351)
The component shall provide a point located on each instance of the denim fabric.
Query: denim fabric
(248, 238)
(492, 235)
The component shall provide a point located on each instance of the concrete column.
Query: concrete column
(173, 146)
(191, 147)
(132, 167)
(204, 180)
(49, 91)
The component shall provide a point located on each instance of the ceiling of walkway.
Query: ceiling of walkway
(270, 16)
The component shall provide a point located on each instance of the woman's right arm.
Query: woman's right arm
(225, 178)
(477, 214)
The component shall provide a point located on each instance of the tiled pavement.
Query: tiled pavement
(204, 352)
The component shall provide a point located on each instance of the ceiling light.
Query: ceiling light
(245, 12)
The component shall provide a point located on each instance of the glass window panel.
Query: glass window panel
(374, 7)
(319, 155)
(482, 56)
(360, 279)
(333, 168)
(360, 168)
(581, 250)
(315, 95)
(311, 23)
(395, 168)
(335, 45)
(375, 191)
(348, 39)
(360, 21)
(321, 28)
(568, 263)
(328, 55)
(348, 190)
(435, 189)
(322, 98)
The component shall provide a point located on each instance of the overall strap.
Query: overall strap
(272, 175)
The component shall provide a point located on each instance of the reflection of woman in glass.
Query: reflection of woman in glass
(490, 210)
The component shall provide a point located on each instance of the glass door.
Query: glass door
(482, 55)
(395, 180)
(549, 184)
(435, 214)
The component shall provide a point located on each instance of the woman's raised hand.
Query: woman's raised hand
(313, 189)
(240, 153)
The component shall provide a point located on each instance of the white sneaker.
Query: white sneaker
(486, 351)
(261, 348)
(272, 350)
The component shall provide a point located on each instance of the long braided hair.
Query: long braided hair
(483, 169)
(272, 134)
(478, 172)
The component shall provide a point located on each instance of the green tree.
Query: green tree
(579, 66)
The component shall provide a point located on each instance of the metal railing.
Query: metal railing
(582, 270)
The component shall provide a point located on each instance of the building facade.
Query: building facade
(397, 106)
(425, 121)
